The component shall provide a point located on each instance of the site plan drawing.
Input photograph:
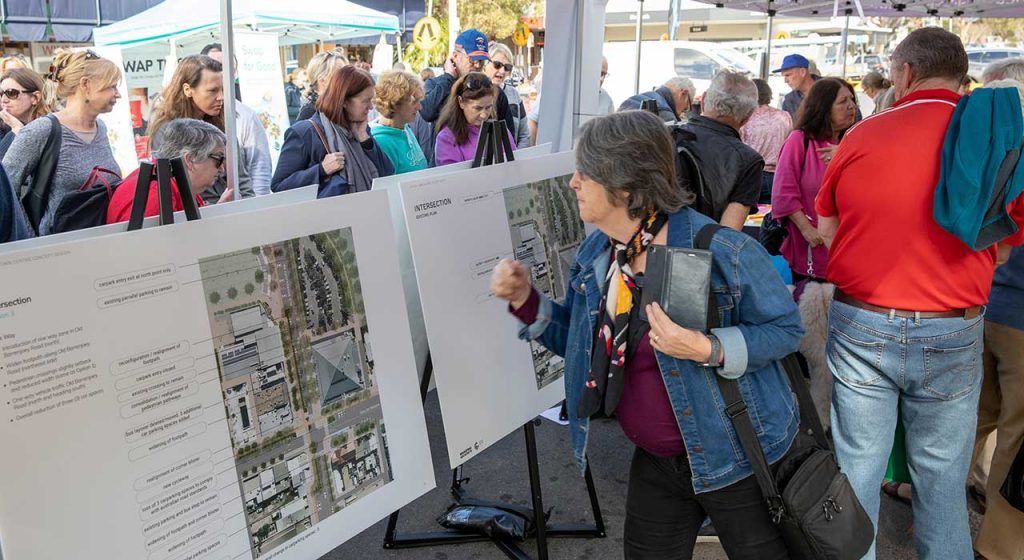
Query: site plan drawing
(241, 387)
(460, 226)
(290, 334)
(544, 222)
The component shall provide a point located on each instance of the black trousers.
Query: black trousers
(663, 514)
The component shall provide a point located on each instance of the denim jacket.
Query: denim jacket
(760, 325)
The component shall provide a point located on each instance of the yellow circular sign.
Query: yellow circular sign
(781, 35)
(426, 33)
(521, 35)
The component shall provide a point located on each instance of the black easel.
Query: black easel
(165, 170)
(495, 147)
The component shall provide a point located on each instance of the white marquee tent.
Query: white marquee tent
(295, 21)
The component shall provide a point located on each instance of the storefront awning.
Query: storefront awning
(71, 20)
(887, 8)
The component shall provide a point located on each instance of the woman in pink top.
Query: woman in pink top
(766, 132)
(825, 114)
(470, 104)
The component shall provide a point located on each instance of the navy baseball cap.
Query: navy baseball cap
(793, 61)
(473, 43)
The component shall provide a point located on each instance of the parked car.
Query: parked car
(978, 59)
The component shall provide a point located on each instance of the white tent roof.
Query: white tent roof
(891, 8)
(296, 21)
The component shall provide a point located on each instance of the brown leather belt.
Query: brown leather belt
(966, 314)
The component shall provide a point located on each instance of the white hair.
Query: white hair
(499, 48)
(731, 94)
(1006, 69)
(680, 83)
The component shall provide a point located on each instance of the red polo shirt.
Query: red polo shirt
(888, 250)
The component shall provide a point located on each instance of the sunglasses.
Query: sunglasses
(219, 158)
(54, 73)
(473, 84)
(13, 94)
(499, 66)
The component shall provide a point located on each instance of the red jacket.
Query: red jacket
(120, 209)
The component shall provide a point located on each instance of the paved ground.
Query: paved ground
(500, 474)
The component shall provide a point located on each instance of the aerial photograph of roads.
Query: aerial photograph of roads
(296, 370)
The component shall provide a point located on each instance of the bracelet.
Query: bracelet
(716, 358)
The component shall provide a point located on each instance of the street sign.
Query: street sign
(521, 35)
(426, 33)
(782, 35)
(698, 29)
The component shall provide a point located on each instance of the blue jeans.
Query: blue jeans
(930, 370)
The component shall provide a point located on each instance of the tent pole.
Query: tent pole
(766, 59)
(227, 41)
(673, 19)
(842, 45)
(639, 40)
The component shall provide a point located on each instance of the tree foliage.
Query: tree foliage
(497, 18)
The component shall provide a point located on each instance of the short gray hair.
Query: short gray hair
(632, 152)
(194, 137)
(682, 83)
(1006, 69)
(731, 94)
(498, 48)
(933, 53)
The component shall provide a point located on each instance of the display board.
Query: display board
(261, 79)
(412, 293)
(460, 226)
(239, 387)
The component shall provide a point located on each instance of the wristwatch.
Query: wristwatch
(717, 358)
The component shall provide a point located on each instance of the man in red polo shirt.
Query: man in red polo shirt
(905, 328)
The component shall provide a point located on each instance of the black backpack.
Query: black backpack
(688, 166)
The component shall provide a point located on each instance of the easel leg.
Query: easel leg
(540, 521)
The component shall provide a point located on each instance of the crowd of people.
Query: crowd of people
(905, 297)
(905, 300)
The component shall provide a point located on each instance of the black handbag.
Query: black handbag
(1013, 486)
(809, 499)
(36, 198)
(87, 206)
(772, 234)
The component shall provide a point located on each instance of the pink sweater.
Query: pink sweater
(447, 151)
(798, 178)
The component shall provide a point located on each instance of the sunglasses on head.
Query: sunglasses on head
(54, 73)
(13, 94)
(499, 66)
(473, 84)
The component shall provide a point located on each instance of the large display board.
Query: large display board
(240, 387)
(412, 293)
(460, 226)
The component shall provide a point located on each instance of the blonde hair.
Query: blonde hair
(13, 61)
(321, 66)
(294, 74)
(71, 67)
(395, 87)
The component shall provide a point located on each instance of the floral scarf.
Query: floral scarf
(604, 386)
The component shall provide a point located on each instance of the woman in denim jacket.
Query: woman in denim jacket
(655, 376)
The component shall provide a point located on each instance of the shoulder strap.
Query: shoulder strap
(320, 132)
(735, 406)
(37, 198)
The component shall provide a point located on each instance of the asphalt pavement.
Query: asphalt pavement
(499, 473)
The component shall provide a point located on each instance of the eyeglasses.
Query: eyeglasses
(499, 66)
(13, 94)
(219, 158)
